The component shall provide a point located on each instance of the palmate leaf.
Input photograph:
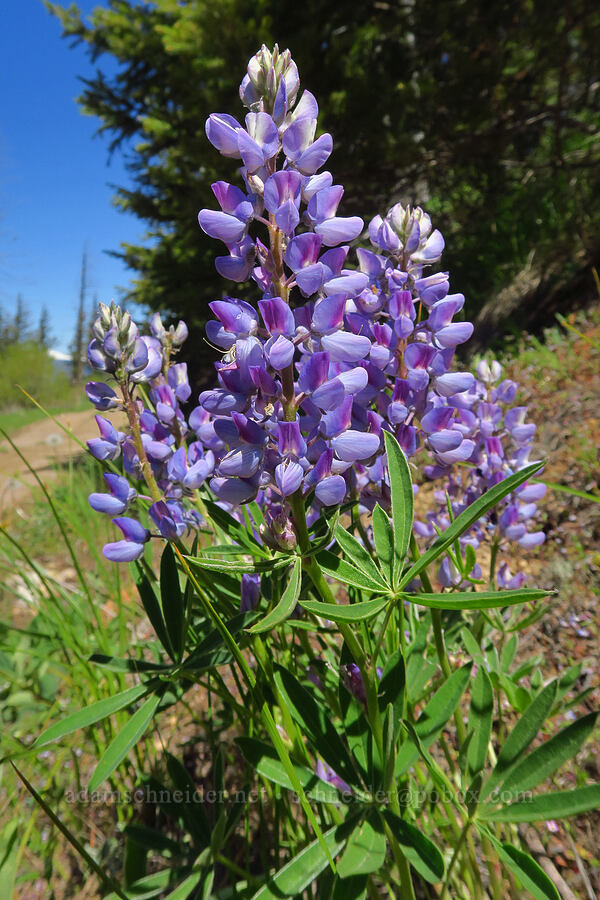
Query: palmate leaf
(358, 555)
(468, 517)
(402, 500)
(348, 574)
(286, 605)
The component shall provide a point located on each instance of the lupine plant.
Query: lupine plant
(339, 521)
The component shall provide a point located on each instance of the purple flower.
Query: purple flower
(121, 495)
(108, 445)
(132, 547)
(101, 395)
(250, 592)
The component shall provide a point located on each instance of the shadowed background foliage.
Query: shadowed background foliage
(488, 115)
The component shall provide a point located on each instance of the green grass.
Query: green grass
(17, 417)
(52, 619)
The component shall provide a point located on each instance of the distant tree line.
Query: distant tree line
(17, 328)
(487, 114)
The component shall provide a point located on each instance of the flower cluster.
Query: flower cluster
(156, 448)
(502, 442)
(340, 348)
(333, 355)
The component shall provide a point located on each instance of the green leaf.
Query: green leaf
(300, 871)
(234, 530)
(9, 857)
(315, 720)
(530, 619)
(192, 813)
(347, 573)
(127, 737)
(152, 839)
(384, 542)
(402, 500)
(476, 599)
(392, 687)
(352, 888)
(231, 565)
(91, 714)
(365, 850)
(346, 612)
(358, 555)
(481, 714)
(152, 609)
(356, 729)
(508, 653)
(75, 843)
(286, 605)
(183, 890)
(568, 680)
(421, 853)
(265, 761)
(521, 736)
(548, 757)
(468, 517)
(530, 874)
(147, 888)
(553, 805)
(215, 640)
(435, 715)
(128, 665)
(172, 601)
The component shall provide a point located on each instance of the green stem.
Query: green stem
(368, 673)
(493, 558)
(438, 635)
(451, 864)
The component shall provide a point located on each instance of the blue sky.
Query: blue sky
(54, 174)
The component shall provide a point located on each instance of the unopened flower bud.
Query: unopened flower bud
(180, 334)
(156, 327)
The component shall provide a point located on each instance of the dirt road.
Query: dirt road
(45, 446)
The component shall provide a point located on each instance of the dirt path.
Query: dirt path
(45, 446)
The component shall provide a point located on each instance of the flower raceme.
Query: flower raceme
(341, 346)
